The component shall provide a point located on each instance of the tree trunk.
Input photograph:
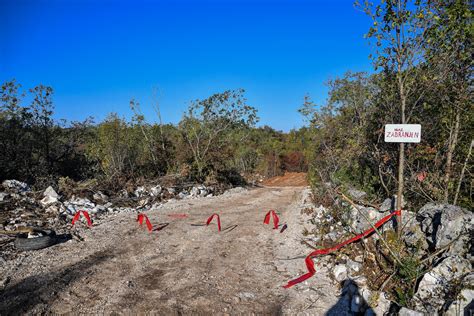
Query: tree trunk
(401, 157)
(462, 173)
(449, 157)
(403, 100)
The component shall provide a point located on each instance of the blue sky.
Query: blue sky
(97, 55)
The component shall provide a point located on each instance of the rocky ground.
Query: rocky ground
(183, 266)
(436, 248)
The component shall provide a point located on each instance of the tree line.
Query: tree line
(215, 141)
(423, 75)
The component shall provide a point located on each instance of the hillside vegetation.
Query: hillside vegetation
(423, 62)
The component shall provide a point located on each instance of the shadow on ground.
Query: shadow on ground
(39, 291)
(351, 302)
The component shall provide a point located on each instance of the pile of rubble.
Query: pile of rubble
(21, 207)
(438, 235)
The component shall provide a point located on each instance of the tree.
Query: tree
(398, 29)
(449, 53)
(13, 120)
(42, 124)
(207, 122)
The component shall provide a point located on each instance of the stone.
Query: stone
(140, 191)
(333, 235)
(48, 200)
(246, 296)
(434, 285)
(16, 186)
(235, 190)
(171, 191)
(3, 195)
(156, 191)
(463, 305)
(98, 209)
(124, 193)
(340, 272)
(387, 205)
(99, 196)
(413, 236)
(356, 194)
(379, 303)
(444, 223)
(183, 195)
(78, 204)
(50, 192)
(408, 312)
(353, 266)
(195, 191)
(359, 222)
(54, 209)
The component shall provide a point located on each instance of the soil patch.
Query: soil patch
(289, 179)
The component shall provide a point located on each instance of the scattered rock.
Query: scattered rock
(50, 197)
(3, 195)
(444, 223)
(194, 192)
(340, 272)
(435, 285)
(4, 282)
(99, 196)
(363, 218)
(387, 205)
(379, 303)
(356, 194)
(140, 191)
(156, 191)
(48, 200)
(246, 296)
(464, 303)
(79, 204)
(183, 195)
(353, 266)
(355, 296)
(50, 192)
(124, 194)
(413, 236)
(15, 186)
(408, 312)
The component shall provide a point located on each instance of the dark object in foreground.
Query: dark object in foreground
(49, 238)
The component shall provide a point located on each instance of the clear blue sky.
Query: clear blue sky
(97, 55)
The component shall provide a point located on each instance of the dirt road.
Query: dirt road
(183, 268)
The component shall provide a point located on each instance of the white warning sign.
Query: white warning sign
(402, 133)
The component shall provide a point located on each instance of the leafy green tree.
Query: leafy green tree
(207, 123)
(449, 53)
(398, 28)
